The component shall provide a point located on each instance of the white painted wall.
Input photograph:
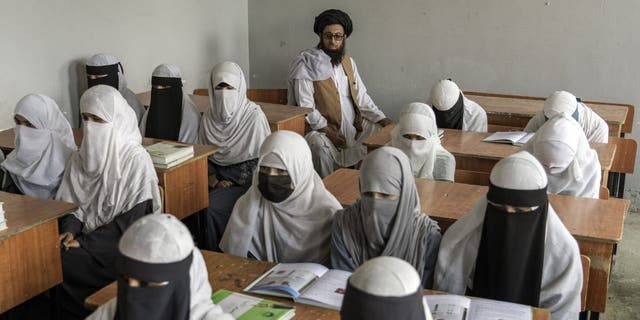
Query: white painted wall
(588, 47)
(45, 43)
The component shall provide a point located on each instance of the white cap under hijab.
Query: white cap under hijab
(509, 173)
(167, 71)
(560, 102)
(444, 95)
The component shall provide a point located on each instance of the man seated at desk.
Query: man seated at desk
(326, 79)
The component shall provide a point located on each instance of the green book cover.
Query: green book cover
(244, 307)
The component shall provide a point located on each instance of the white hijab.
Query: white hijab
(233, 123)
(37, 163)
(572, 166)
(418, 118)
(161, 238)
(294, 230)
(112, 172)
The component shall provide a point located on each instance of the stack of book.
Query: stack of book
(168, 154)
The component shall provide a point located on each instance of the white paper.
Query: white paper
(329, 289)
(484, 309)
(448, 307)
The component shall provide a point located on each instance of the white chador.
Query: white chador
(561, 268)
(572, 166)
(429, 160)
(313, 65)
(190, 114)
(451, 106)
(594, 127)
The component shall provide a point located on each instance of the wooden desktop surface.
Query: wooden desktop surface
(29, 248)
(235, 273)
(468, 144)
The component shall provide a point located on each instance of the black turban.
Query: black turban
(333, 16)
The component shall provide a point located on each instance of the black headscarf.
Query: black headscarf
(333, 16)
(110, 70)
(171, 301)
(361, 305)
(511, 252)
(165, 111)
(452, 118)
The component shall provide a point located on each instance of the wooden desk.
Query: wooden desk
(186, 186)
(279, 116)
(473, 154)
(596, 224)
(29, 248)
(234, 274)
(516, 111)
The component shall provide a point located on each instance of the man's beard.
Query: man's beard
(335, 55)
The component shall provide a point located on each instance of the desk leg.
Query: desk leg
(601, 256)
(30, 264)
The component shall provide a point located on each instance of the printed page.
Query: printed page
(290, 277)
(448, 307)
(507, 136)
(328, 290)
(485, 309)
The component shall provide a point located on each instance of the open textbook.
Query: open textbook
(307, 283)
(453, 307)
(516, 138)
(244, 307)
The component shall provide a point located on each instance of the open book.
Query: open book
(307, 283)
(517, 138)
(244, 307)
(453, 307)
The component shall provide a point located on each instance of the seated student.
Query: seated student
(171, 114)
(454, 111)
(417, 136)
(161, 275)
(386, 220)
(106, 69)
(572, 166)
(594, 127)
(238, 127)
(44, 143)
(384, 288)
(113, 181)
(512, 246)
(286, 214)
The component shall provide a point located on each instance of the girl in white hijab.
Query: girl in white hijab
(572, 166)
(386, 220)
(113, 181)
(161, 275)
(512, 246)
(44, 142)
(286, 214)
(238, 127)
(107, 69)
(172, 115)
(454, 111)
(417, 136)
(384, 288)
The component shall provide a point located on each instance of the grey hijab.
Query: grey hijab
(381, 227)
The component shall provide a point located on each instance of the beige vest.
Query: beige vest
(327, 98)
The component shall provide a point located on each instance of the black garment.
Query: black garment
(165, 112)
(360, 305)
(87, 269)
(333, 16)
(511, 252)
(452, 118)
(8, 185)
(111, 72)
(170, 301)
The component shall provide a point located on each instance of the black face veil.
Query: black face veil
(107, 75)
(165, 112)
(452, 118)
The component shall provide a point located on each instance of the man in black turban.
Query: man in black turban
(326, 79)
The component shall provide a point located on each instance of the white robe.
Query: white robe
(595, 128)
(561, 286)
(474, 117)
(189, 124)
(304, 92)
(202, 307)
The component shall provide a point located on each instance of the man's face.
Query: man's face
(333, 37)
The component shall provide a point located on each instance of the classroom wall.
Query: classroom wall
(588, 47)
(45, 44)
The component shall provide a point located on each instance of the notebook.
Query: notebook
(517, 138)
(454, 307)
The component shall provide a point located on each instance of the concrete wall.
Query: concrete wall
(524, 47)
(45, 43)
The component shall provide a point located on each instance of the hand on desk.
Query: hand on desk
(68, 242)
(385, 122)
